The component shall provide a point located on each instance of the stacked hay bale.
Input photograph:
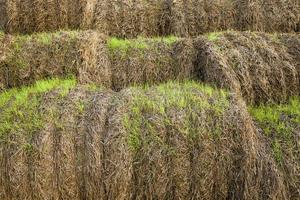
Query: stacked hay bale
(258, 66)
(268, 15)
(280, 124)
(130, 18)
(3, 17)
(34, 57)
(29, 16)
(194, 17)
(150, 61)
(62, 141)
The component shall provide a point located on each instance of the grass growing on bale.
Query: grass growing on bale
(279, 123)
(19, 107)
(139, 43)
(188, 96)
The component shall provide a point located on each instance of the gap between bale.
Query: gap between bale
(169, 141)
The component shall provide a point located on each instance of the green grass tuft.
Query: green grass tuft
(278, 122)
(19, 107)
(159, 101)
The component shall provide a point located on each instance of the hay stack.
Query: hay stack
(150, 61)
(194, 17)
(61, 54)
(280, 124)
(3, 17)
(171, 141)
(268, 15)
(29, 16)
(257, 66)
(130, 18)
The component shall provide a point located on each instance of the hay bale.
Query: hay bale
(257, 66)
(268, 16)
(150, 61)
(171, 141)
(34, 57)
(194, 17)
(280, 125)
(129, 18)
(39, 15)
(3, 16)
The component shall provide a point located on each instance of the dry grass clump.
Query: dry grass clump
(130, 18)
(281, 126)
(258, 66)
(29, 16)
(172, 141)
(33, 57)
(150, 61)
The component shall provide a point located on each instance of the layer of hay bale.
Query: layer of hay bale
(3, 16)
(33, 57)
(280, 124)
(194, 17)
(172, 141)
(258, 66)
(268, 15)
(150, 61)
(29, 16)
(130, 18)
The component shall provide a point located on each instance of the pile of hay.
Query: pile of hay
(194, 17)
(260, 67)
(281, 126)
(150, 61)
(29, 16)
(173, 141)
(3, 17)
(268, 15)
(130, 18)
(25, 59)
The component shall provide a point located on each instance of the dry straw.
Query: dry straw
(258, 66)
(131, 18)
(150, 61)
(166, 142)
(34, 57)
(29, 16)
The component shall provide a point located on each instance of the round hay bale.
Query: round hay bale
(255, 65)
(61, 54)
